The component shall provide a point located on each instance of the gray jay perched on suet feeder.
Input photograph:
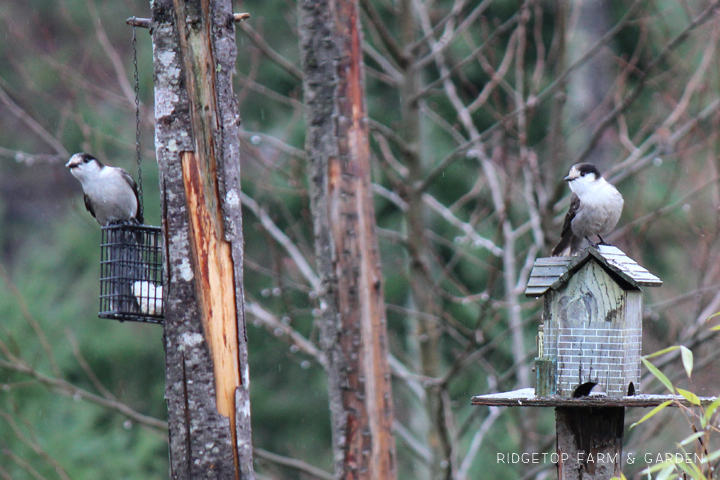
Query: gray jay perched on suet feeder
(111, 195)
(131, 253)
(595, 208)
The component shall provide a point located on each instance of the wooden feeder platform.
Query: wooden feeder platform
(525, 397)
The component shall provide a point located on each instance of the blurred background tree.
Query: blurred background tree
(478, 109)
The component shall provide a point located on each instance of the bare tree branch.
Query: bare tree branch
(31, 320)
(388, 40)
(283, 240)
(477, 441)
(281, 328)
(33, 445)
(269, 52)
(24, 117)
(293, 464)
(71, 390)
(641, 82)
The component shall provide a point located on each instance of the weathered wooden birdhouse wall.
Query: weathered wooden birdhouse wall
(592, 322)
(593, 327)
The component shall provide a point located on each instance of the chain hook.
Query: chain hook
(137, 120)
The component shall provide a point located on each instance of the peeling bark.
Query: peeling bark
(197, 146)
(354, 331)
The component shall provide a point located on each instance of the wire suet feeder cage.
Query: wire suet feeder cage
(131, 271)
(131, 255)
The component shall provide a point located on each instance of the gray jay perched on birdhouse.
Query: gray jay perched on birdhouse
(595, 208)
(111, 195)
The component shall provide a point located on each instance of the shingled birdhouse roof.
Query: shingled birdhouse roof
(553, 272)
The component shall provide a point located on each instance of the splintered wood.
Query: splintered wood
(216, 286)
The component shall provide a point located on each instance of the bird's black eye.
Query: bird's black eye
(86, 159)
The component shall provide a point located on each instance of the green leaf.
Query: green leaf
(667, 465)
(715, 328)
(652, 412)
(666, 472)
(713, 316)
(692, 470)
(687, 359)
(659, 375)
(692, 438)
(711, 458)
(709, 412)
(661, 352)
(690, 467)
(689, 396)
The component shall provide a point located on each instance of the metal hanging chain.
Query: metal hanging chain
(137, 122)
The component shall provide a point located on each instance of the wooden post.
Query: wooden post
(354, 331)
(196, 121)
(589, 442)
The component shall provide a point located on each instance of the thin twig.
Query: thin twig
(695, 81)
(438, 47)
(5, 474)
(636, 161)
(283, 240)
(278, 97)
(292, 463)
(387, 38)
(641, 81)
(476, 239)
(112, 55)
(391, 135)
(477, 441)
(23, 116)
(24, 464)
(32, 321)
(72, 391)
(280, 328)
(34, 446)
(498, 74)
(256, 138)
(412, 380)
(31, 158)
(392, 76)
(86, 367)
(421, 451)
(497, 33)
(269, 52)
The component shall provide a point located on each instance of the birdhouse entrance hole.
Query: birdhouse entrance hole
(131, 273)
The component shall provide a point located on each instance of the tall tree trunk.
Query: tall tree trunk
(354, 330)
(196, 118)
(424, 328)
(590, 86)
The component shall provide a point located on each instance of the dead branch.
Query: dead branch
(269, 52)
(293, 464)
(66, 388)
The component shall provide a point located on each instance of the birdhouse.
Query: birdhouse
(131, 272)
(591, 333)
(590, 336)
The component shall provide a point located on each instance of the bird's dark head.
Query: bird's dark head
(83, 164)
(587, 171)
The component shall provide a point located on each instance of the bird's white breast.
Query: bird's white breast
(113, 199)
(600, 208)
